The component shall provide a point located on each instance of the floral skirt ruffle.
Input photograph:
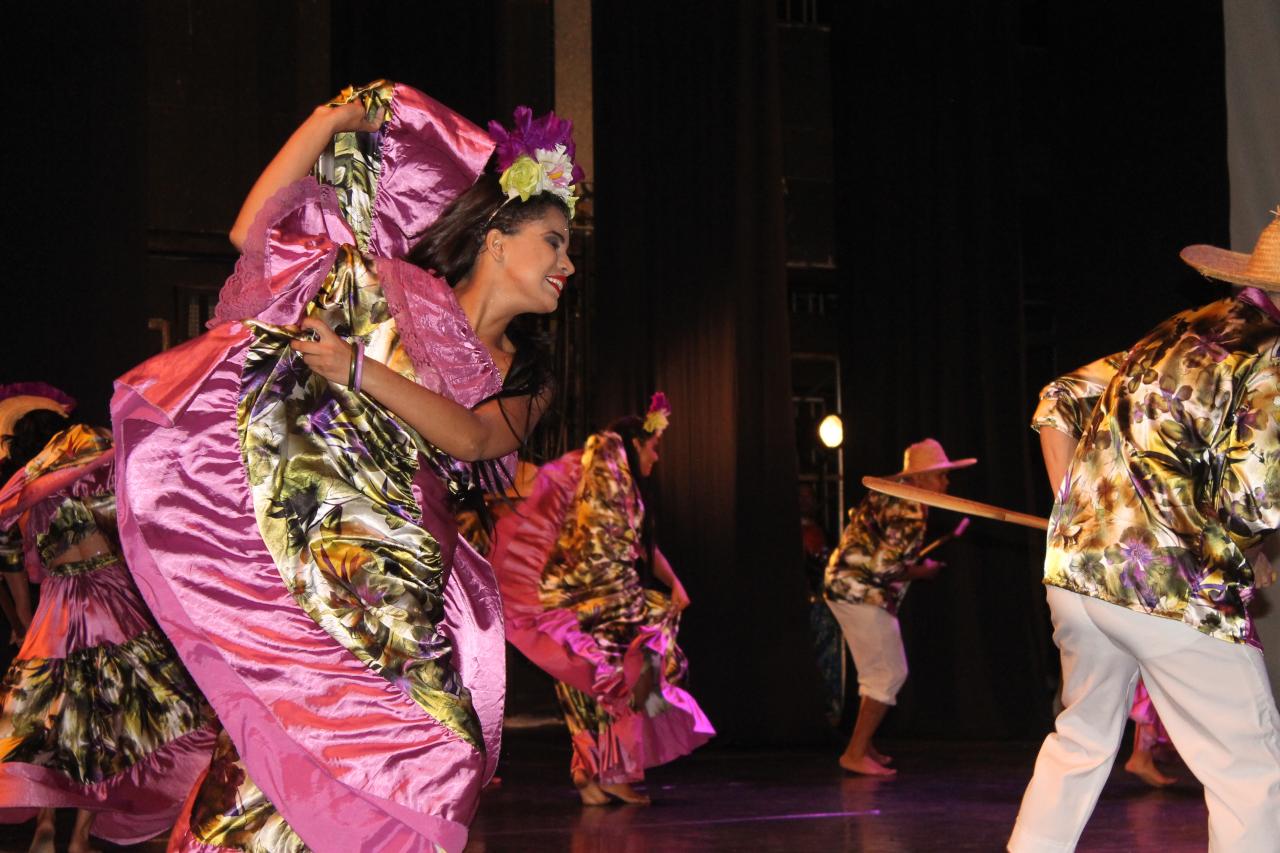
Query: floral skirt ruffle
(227, 811)
(96, 712)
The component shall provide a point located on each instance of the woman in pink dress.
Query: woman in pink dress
(576, 605)
(288, 478)
(96, 712)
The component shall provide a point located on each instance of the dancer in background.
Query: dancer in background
(318, 438)
(573, 562)
(867, 578)
(16, 400)
(1172, 481)
(96, 712)
(1065, 407)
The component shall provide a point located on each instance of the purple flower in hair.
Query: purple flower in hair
(529, 135)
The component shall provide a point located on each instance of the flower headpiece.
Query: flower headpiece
(659, 414)
(536, 156)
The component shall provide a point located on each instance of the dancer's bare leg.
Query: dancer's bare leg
(1142, 764)
(856, 757)
(20, 591)
(45, 831)
(80, 835)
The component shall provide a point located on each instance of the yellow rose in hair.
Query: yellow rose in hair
(521, 178)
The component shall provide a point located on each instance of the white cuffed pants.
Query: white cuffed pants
(1213, 697)
(875, 641)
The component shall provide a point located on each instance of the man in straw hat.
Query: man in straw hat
(865, 582)
(1176, 475)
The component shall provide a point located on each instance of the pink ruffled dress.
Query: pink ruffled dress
(574, 606)
(295, 539)
(96, 711)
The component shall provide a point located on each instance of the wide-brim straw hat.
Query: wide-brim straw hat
(926, 457)
(1261, 268)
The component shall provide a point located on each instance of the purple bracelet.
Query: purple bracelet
(358, 372)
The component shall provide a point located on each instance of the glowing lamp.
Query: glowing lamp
(831, 431)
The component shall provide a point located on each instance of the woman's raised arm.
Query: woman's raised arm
(297, 157)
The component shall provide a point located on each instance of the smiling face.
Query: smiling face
(534, 262)
(647, 453)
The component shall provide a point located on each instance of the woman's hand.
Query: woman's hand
(347, 117)
(679, 598)
(328, 355)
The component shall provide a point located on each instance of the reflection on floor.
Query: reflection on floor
(947, 797)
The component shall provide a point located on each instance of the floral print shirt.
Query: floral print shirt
(881, 541)
(1067, 402)
(1176, 472)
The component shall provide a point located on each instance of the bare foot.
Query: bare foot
(1140, 764)
(592, 795)
(866, 766)
(879, 757)
(626, 793)
(589, 791)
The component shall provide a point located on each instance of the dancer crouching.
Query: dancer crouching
(570, 564)
(866, 580)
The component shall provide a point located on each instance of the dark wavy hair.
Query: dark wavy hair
(449, 249)
(32, 432)
(631, 429)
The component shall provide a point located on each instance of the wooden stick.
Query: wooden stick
(944, 501)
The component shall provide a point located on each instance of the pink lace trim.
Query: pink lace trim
(436, 334)
(247, 292)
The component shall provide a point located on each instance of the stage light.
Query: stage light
(831, 431)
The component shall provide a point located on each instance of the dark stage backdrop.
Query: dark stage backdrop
(692, 297)
(1014, 181)
(75, 218)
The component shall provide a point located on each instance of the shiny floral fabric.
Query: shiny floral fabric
(1067, 402)
(1178, 472)
(869, 566)
(96, 711)
(353, 164)
(332, 475)
(231, 812)
(592, 569)
(592, 573)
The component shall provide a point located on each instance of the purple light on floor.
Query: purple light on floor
(770, 817)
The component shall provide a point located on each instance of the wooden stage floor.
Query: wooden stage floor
(947, 797)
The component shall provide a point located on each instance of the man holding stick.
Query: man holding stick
(866, 579)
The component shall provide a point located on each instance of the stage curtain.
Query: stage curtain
(692, 300)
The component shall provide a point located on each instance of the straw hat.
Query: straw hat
(1260, 269)
(925, 457)
(19, 398)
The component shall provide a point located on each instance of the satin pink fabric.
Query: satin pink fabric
(78, 612)
(555, 641)
(349, 760)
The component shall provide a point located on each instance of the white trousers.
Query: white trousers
(875, 641)
(1213, 697)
